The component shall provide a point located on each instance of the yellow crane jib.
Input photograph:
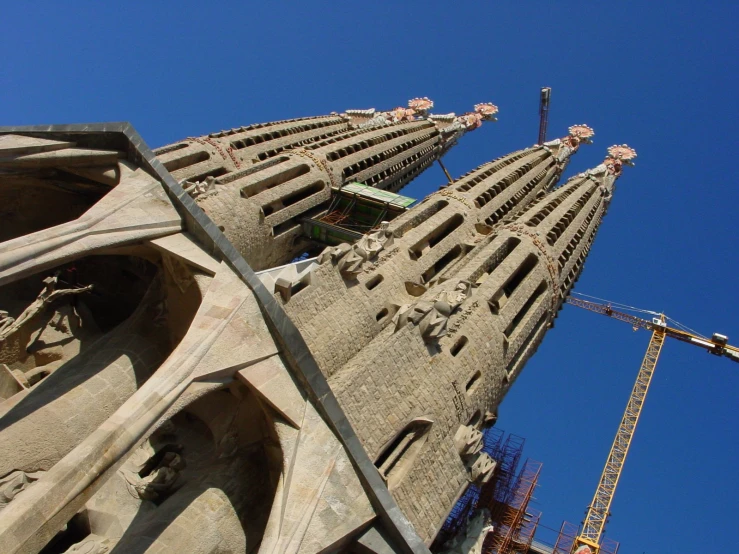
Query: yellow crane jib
(589, 539)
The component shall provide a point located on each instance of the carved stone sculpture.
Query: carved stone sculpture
(92, 544)
(8, 326)
(471, 538)
(482, 469)
(158, 480)
(14, 483)
(468, 441)
(199, 189)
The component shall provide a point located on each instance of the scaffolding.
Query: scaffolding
(566, 541)
(355, 209)
(498, 491)
(494, 495)
(514, 525)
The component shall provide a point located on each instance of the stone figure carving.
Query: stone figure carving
(198, 189)
(350, 265)
(490, 417)
(482, 469)
(449, 300)
(8, 325)
(372, 243)
(468, 441)
(14, 483)
(349, 258)
(433, 326)
(158, 481)
(470, 540)
(432, 316)
(5, 320)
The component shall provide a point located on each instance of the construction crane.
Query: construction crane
(545, 95)
(589, 538)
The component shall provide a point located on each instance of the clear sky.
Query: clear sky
(660, 76)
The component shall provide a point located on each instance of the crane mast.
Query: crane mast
(545, 95)
(589, 538)
(597, 515)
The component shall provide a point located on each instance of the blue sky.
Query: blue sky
(660, 76)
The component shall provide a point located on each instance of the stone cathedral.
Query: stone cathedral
(251, 342)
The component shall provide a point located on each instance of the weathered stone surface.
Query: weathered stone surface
(182, 403)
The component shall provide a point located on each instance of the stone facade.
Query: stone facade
(438, 323)
(156, 395)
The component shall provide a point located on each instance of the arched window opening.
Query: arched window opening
(494, 261)
(526, 308)
(458, 345)
(382, 314)
(526, 349)
(454, 254)
(212, 173)
(520, 274)
(475, 419)
(436, 236)
(186, 160)
(293, 198)
(473, 382)
(397, 458)
(279, 178)
(374, 281)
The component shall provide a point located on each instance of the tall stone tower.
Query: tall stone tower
(258, 182)
(157, 395)
(440, 311)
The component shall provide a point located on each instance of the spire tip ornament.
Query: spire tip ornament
(622, 152)
(578, 134)
(421, 105)
(582, 132)
(618, 155)
(487, 110)
(482, 112)
(563, 148)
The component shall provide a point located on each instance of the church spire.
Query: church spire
(258, 184)
(361, 119)
(506, 186)
(453, 127)
(565, 147)
(568, 218)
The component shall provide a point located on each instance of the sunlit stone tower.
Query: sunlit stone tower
(445, 312)
(258, 182)
(157, 395)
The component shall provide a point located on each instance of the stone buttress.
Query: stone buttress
(146, 405)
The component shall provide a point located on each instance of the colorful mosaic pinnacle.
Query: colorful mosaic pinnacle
(618, 155)
(622, 152)
(582, 132)
(483, 112)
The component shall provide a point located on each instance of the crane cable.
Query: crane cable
(626, 307)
